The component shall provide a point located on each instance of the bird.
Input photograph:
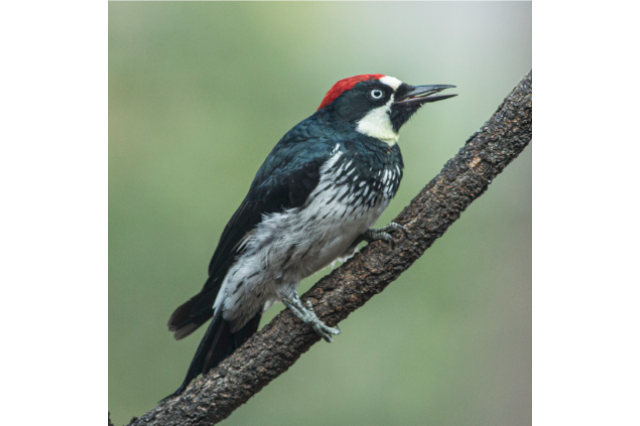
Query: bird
(313, 200)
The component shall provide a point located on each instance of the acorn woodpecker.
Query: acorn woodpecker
(315, 197)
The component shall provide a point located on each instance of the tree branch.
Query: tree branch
(280, 343)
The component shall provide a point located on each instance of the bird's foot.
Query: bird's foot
(308, 316)
(383, 233)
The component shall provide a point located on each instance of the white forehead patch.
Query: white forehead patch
(392, 82)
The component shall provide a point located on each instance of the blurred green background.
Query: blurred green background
(198, 95)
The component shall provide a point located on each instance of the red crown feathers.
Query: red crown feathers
(346, 84)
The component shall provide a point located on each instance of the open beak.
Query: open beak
(423, 94)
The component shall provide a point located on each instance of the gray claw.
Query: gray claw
(308, 316)
(397, 227)
(326, 332)
(382, 234)
(321, 328)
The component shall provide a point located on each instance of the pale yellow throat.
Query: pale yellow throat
(377, 124)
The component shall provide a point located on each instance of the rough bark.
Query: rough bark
(280, 343)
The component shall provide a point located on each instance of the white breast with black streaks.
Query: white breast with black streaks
(294, 244)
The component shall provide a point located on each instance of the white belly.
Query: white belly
(286, 247)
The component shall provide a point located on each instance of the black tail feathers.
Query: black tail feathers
(195, 311)
(217, 344)
(190, 315)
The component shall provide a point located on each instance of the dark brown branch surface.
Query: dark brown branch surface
(280, 343)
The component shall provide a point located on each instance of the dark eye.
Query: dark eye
(376, 93)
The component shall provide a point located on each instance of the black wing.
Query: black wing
(285, 180)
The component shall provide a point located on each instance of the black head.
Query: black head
(377, 104)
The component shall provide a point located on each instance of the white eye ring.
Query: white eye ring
(376, 93)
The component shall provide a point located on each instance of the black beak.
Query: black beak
(422, 94)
